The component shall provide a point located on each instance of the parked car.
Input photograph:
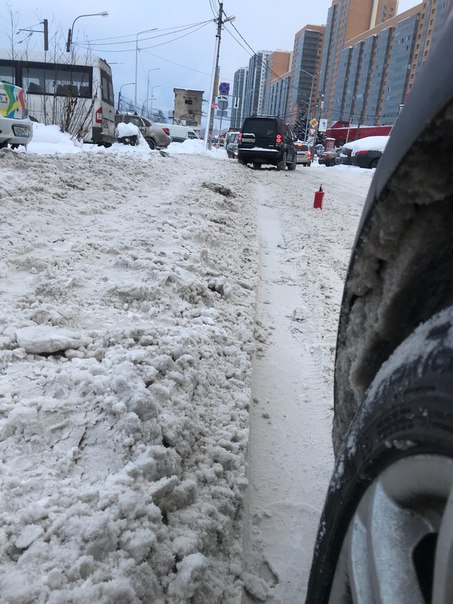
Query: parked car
(232, 145)
(386, 531)
(364, 152)
(303, 153)
(330, 157)
(266, 140)
(15, 126)
(179, 133)
(156, 135)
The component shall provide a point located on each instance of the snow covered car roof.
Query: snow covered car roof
(369, 143)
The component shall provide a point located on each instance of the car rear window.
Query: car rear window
(260, 127)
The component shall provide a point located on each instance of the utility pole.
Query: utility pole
(210, 124)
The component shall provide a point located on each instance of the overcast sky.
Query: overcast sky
(164, 61)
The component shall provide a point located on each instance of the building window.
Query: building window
(188, 101)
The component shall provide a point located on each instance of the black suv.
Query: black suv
(267, 140)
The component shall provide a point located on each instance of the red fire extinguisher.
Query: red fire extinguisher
(319, 196)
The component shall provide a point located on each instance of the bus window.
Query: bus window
(107, 89)
(7, 74)
(33, 80)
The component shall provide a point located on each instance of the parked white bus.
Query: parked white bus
(73, 91)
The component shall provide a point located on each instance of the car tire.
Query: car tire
(282, 163)
(386, 527)
(373, 163)
(293, 165)
(151, 143)
(256, 165)
(242, 161)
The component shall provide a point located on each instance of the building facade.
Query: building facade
(237, 109)
(346, 19)
(306, 63)
(255, 84)
(277, 96)
(276, 87)
(376, 70)
(188, 107)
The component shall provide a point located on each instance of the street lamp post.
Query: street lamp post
(71, 30)
(312, 75)
(136, 58)
(119, 93)
(147, 85)
(150, 112)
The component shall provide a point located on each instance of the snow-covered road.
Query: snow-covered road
(148, 320)
(303, 256)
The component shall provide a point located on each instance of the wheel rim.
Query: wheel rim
(399, 543)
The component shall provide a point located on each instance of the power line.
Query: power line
(178, 64)
(147, 47)
(170, 31)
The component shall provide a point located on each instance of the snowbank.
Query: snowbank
(196, 147)
(126, 335)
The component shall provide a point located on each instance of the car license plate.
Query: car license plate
(248, 138)
(21, 130)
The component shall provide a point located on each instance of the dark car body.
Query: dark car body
(386, 531)
(368, 155)
(232, 145)
(266, 140)
(366, 159)
(329, 158)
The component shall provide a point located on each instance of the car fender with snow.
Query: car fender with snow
(386, 531)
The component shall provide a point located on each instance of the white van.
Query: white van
(180, 133)
(15, 126)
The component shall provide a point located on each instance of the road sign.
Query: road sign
(222, 102)
(322, 125)
(224, 88)
(313, 123)
(312, 131)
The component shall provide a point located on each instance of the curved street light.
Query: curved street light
(119, 93)
(147, 85)
(71, 29)
(152, 98)
(136, 58)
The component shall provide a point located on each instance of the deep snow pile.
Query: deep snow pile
(126, 326)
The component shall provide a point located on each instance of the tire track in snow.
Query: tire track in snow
(289, 444)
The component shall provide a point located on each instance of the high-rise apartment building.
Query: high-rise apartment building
(255, 84)
(237, 110)
(306, 62)
(376, 69)
(277, 96)
(276, 88)
(346, 19)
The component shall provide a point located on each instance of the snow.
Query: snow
(123, 130)
(167, 331)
